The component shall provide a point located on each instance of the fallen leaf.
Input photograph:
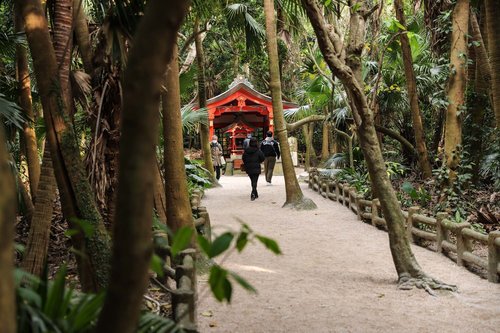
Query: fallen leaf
(207, 314)
(212, 324)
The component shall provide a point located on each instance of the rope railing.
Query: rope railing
(449, 237)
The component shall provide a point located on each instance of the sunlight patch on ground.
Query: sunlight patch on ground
(252, 268)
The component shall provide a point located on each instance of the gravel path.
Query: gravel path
(335, 275)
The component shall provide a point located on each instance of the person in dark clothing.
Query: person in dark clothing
(252, 158)
(271, 150)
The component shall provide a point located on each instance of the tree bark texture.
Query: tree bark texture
(152, 49)
(176, 191)
(294, 196)
(326, 132)
(493, 28)
(39, 234)
(456, 86)
(411, 86)
(7, 221)
(202, 101)
(160, 201)
(24, 84)
(404, 260)
(76, 195)
(82, 35)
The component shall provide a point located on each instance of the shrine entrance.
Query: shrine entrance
(239, 111)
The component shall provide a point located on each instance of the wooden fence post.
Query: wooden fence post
(359, 209)
(409, 222)
(461, 243)
(346, 197)
(375, 214)
(337, 191)
(441, 232)
(493, 256)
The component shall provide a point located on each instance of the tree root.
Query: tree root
(302, 204)
(429, 284)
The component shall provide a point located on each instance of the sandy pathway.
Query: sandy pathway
(336, 274)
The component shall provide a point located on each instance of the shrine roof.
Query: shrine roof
(241, 84)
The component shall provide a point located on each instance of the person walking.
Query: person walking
(252, 158)
(247, 140)
(216, 150)
(271, 150)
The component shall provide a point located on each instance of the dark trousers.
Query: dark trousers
(269, 163)
(254, 179)
(217, 171)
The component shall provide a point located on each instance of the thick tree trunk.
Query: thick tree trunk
(202, 102)
(176, 191)
(152, 50)
(294, 196)
(76, 195)
(493, 28)
(39, 235)
(28, 136)
(82, 35)
(411, 85)
(405, 263)
(456, 87)
(7, 221)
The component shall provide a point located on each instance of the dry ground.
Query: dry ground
(335, 275)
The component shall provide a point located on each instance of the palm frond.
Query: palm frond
(11, 112)
(191, 117)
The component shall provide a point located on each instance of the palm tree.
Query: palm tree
(294, 196)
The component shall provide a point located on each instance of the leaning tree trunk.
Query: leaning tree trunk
(7, 221)
(160, 201)
(325, 151)
(202, 102)
(176, 191)
(409, 272)
(76, 195)
(493, 28)
(29, 136)
(152, 50)
(35, 255)
(411, 85)
(294, 196)
(456, 87)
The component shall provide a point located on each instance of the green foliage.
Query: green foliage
(359, 180)
(53, 306)
(417, 196)
(453, 198)
(197, 176)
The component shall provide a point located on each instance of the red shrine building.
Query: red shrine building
(239, 111)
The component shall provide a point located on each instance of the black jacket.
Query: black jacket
(270, 148)
(252, 158)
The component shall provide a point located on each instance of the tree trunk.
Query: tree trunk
(294, 196)
(305, 132)
(176, 191)
(7, 221)
(76, 195)
(35, 256)
(325, 151)
(480, 100)
(456, 87)
(160, 201)
(63, 44)
(493, 28)
(29, 136)
(202, 102)
(82, 35)
(406, 265)
(152, 49)
(411, 85)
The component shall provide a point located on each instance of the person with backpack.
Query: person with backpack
(271, 150)
(216, 150)
(252, 158)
